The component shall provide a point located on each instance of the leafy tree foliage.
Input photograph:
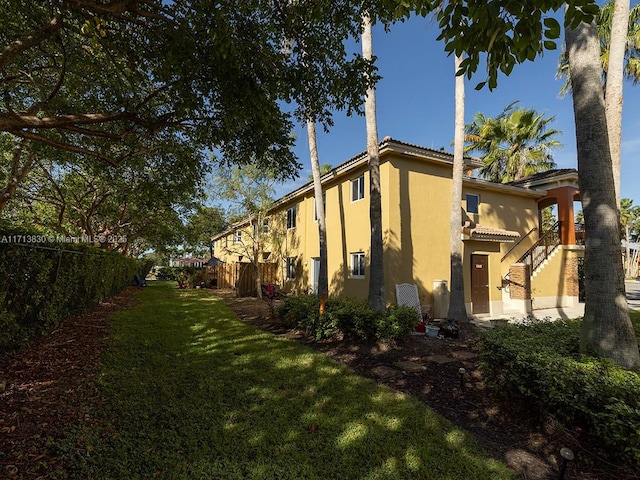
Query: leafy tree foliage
(131, 209)
(632, 56)
(202, 225)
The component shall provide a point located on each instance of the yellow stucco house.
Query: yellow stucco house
(510, 266)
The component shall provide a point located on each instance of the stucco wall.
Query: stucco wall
(555, 284)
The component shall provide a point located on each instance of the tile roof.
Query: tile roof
(481, 232)
(548, 175)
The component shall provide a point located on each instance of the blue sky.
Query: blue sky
(415, 104)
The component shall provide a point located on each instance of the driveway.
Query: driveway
(633, 294)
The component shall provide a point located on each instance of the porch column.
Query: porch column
(564, 196)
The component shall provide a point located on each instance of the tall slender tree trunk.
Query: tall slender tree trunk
(457, 308)
(615, 77)
(323, 277)
(606, 330)
(377, 299)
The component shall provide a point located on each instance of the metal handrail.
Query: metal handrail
(542, 249)
(534, 229)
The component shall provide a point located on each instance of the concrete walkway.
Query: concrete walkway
(633, 298)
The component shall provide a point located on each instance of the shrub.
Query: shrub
(540, 364)
(399, 321)
(353, 317)
(297, 310)
(346, 315)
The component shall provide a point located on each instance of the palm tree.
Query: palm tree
(323, 274)
(632, 52)
(457, 308)
(376, 268)
(619, 57)
(515, 144)
(607, 331)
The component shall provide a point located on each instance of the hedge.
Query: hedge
(44, 282)
(345, 315)
(540, 364)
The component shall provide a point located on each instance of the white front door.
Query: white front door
(315, 274)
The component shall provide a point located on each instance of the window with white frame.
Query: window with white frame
(237, 236)
(357, 188)
(291, 217)
(265, 225)
(324, 205)
(473, 203)
(357, 265)
(290, 268)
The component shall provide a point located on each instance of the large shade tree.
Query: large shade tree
(103, 79)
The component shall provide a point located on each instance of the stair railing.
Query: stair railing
(542, 249)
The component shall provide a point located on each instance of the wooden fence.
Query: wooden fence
(241, 276)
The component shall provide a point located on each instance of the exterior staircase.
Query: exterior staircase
(540, 252)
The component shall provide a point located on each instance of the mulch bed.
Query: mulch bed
(48, 387)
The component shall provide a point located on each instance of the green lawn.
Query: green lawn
(192, 392)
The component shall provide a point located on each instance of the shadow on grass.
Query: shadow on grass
(192, 392)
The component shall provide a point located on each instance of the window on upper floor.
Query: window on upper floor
(357, 188)
(237, 236)
(292, 213)
(473, 203)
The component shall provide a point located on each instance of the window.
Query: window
(357, 188)
(291, 217)
(226, 241)
(357, 265)
(290, 268)
(324, 204)
(265, 228)
(473, 203)
(237, 236)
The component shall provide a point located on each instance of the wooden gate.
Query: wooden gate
(241, 276)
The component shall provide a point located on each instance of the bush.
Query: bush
(399, 321)
(44, 283)
(345, 315)
(540, 364)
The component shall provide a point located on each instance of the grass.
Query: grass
(190, 391)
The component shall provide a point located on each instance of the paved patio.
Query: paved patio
(633, 298)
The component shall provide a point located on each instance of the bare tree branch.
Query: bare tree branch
(12, 51)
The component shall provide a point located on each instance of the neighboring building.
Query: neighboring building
(187, 262)
(500, 227)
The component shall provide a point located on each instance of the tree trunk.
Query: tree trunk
(615, 77)
(377, 299)
(606, 330)
(457, 309)
(627, 253)
(18, 173)
(323, 277)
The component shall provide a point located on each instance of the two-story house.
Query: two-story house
(510, 267)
